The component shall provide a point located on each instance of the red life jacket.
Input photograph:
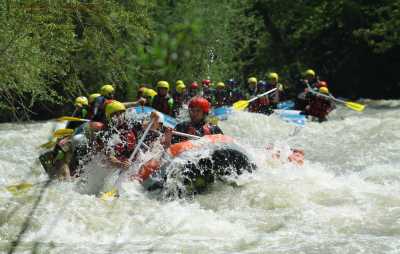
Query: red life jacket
(206, 130)
(161, 104)
(124, 149)
(319, 107)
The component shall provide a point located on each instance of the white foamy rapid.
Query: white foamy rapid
(345, 199)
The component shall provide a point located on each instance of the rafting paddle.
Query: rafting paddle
(351, 105)
(62, 133)
(185, 135)
(241, 105)
(72, 119)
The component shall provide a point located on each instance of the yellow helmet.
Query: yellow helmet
(114, 107)
(81, 101)
(163, 84)
(324, 90)
(252, 81)
(273, 76)
(106, 90)
(220, 85)
(180, 88)
(93, 97)
(148, 92)
(309, 72)
(179, 82)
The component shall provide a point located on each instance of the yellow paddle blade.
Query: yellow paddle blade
(355, 106)
(240, 105)
(109, 194)
(62, 133)
(15, 188)
(48, 145)
(71, 118)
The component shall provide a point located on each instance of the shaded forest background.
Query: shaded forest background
(53, 51)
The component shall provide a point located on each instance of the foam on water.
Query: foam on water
(345, 199)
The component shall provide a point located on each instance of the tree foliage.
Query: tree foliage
(53, 51)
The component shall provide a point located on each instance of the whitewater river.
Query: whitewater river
(345, 199)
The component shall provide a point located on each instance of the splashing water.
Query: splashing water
(345, 199)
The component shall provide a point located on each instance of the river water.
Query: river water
(345, 199)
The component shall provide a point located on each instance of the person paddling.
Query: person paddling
(199, 108)
(163, 102)
(320, 106)
(81, 111)
(122, 135)
(107, 95)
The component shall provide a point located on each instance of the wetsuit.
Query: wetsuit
(201, 129)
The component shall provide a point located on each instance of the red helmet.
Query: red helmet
(206, 82)
(200, 102)
(322, 84)
(194, 85)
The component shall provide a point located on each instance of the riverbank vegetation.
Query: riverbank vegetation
(53, 51)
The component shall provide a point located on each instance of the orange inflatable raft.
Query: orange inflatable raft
(198, 162)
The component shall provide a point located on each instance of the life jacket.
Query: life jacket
(206, 130)
(124, 149)
(319, 107)
(163, 104)
(263, 101)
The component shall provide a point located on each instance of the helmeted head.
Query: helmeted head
(81, 101)
(149, 93)
(252, 81)
(206, 83)
(114, 111)
(273, 77)
(309, 74)
(324, 90)
(179, 82)
(107, 91)
(194, 86)
(93, 97)
(199, 108)
(162, 87)
(220, 85)
(262, 85)
(141, 92)
(180, 88)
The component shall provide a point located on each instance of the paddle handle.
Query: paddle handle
(324, 95)
(141, 141)
(261, 95)
(185, 135)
